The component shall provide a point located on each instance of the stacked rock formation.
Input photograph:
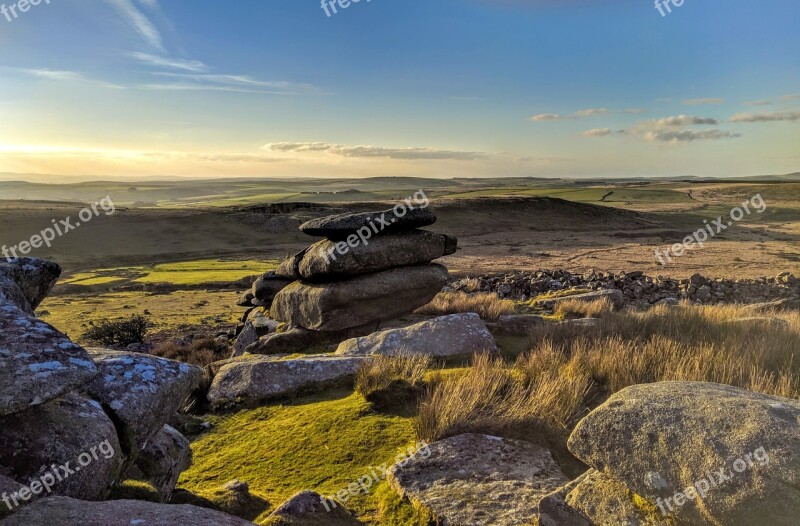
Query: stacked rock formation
(371, 267)
(75, 422)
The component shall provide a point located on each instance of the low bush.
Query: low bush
(199, 352)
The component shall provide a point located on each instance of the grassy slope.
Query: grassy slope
(319, 443)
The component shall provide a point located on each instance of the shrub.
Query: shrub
(199, 352)
(122, 332)
(487, 305)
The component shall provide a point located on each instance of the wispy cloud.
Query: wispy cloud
(167, 62)
(686, 120)
(139, 22)
(634, 111)
(679, 136)
(791, 96)
(598, 132)
(701, 102)
(236, 83)
(669, 129)
(410, 154)
(589, 112)
(762, 102)
(68, 76)
(767, 116)
(542, 117)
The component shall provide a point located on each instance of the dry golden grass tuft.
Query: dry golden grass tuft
(486, 304)
(571, 308)
(572, 369)
(386, 372)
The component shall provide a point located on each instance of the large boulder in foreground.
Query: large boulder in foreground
(141, 392)
(251, 380)
(358, 301)
(72, 433)
(452, 335)
(479, 480)
(739, 449)
(328, 260)
(37, 363)
(35, 279)
(308, 508)
(340, 226)
(161, 462)
(65, 511)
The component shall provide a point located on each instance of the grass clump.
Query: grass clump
(122, 332)
(520, 401)
(570, 370)
(572, 308)
(388, 380)
(486, 304)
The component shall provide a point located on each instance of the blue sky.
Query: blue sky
(438, 88)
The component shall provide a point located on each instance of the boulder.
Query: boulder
(289, 268)
(162, 461)
(305, 341)
(8, 487)
(251, 380)
(358, 301)
(452, 335)
(341, 226)
(308, 507)
(266, 287)
(478, 480)
(594, 498)
(37, 363)
(71, 439)
(34, 277)
(253, 330)
(66, 511)
(141, 392)
(328, 260)
(518, 324)
(736, 447)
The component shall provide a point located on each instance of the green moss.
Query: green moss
(320, 443)
(135, 490)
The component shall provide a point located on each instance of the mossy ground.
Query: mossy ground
(322, 443)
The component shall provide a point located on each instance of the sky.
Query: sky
(429, 88)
